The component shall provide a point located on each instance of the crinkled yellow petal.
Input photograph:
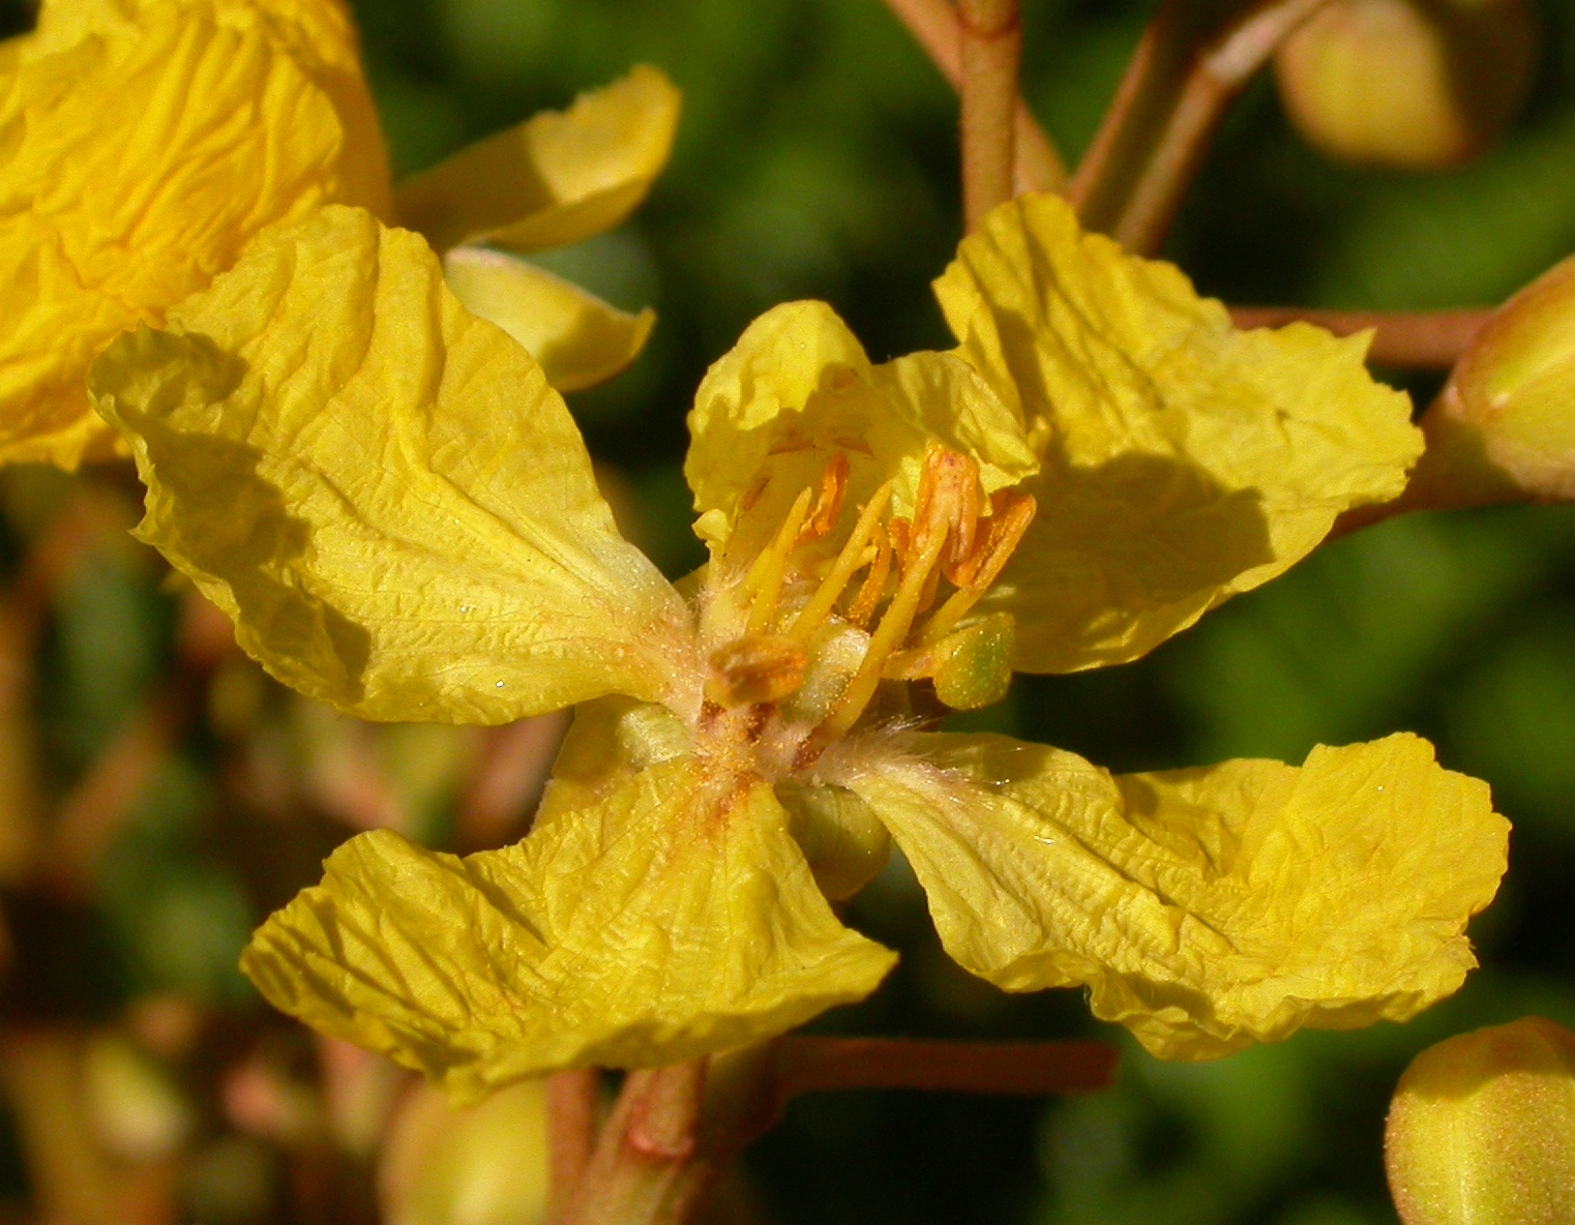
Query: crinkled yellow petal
(577, 339)
(557, 178)
(382, 490)
(142, 146)
(673, 917)
(1204, 909)
(797, 389)
(1184, 461)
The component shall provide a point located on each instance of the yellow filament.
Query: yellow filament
(843, 569)
(770, 568)
(888, 634)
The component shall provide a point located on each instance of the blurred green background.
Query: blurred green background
(817, 158)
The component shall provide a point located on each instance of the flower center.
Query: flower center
(807, 635)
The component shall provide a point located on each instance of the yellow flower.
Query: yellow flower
(144, 143)
(395, 507)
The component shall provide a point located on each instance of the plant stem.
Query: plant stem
(1038, 165)
(1423, 340)
(572, 1101)
(991, 44)
(1193, 61)
(674, 1131)
(643, 1169)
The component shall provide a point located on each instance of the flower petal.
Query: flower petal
(1183, 461)
(797, 389)
(382, 490)
(557, 178)
(670, 916)
(577, 339)
(1209, 908)
(111, 212)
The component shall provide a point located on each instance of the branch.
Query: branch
(992, 42)
(1038, 165)
(1191, 64)
(647, 1167)
(1423, 340)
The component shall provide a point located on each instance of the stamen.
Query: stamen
(853, 556)
(873, 588)
(888, 635)
(1003, 531)
(964, 498)
(901, 539)
(931, 585)
(766, 575)
(946, 502)
(828, 502)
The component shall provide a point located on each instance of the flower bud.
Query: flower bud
(479, 1165)
(1482, 1129)
(1413, 84)
(1504, 427)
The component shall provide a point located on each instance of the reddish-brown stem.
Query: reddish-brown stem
(674, 1131)
(1038, 165)
(991, 46)
(1192, 62)
(573, 1098)
(1423, 340)
(643, 1169)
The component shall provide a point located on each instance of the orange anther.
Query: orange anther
(1013, 514)
(946, 503)
(901, 538)
(963, 572)
(1003, 531)
(828, 501)
(873, 589)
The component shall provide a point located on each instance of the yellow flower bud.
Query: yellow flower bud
(1482, 1129)
(1415, 84)
(1504, 427)
(480, 1165)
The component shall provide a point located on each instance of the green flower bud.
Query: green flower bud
(1482, 1129)
(1504, 427)
(1414, 84)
